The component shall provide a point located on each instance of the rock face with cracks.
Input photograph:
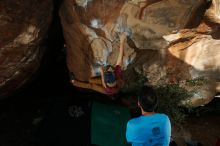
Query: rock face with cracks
(168, 41)
(23, 26)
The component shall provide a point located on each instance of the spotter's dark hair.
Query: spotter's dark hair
(147, 99)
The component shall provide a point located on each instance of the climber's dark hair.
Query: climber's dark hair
(109, 76)
(147, 99)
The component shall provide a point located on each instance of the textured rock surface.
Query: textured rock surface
(197, 51)
(158, 44)
(23, 25)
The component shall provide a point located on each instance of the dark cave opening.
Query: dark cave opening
(27, 117)
(38, 114)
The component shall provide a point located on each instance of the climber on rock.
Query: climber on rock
(110, 81)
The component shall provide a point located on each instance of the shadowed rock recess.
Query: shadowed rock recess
(169, 41)
(23, 26)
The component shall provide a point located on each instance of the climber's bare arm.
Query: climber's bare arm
(102, 76)
(122, 38)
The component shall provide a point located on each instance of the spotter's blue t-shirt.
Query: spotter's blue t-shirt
(151, 130)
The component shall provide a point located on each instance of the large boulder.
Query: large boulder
(23, 27)
(91, 27)
(197, 52)
(153, 26)
(194, 63)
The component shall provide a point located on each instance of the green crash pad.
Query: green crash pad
(109, 125)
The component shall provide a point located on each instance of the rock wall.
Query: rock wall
(169, 41)
(23, 26)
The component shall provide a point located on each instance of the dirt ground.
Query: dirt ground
(202, 126)
(205, 129)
